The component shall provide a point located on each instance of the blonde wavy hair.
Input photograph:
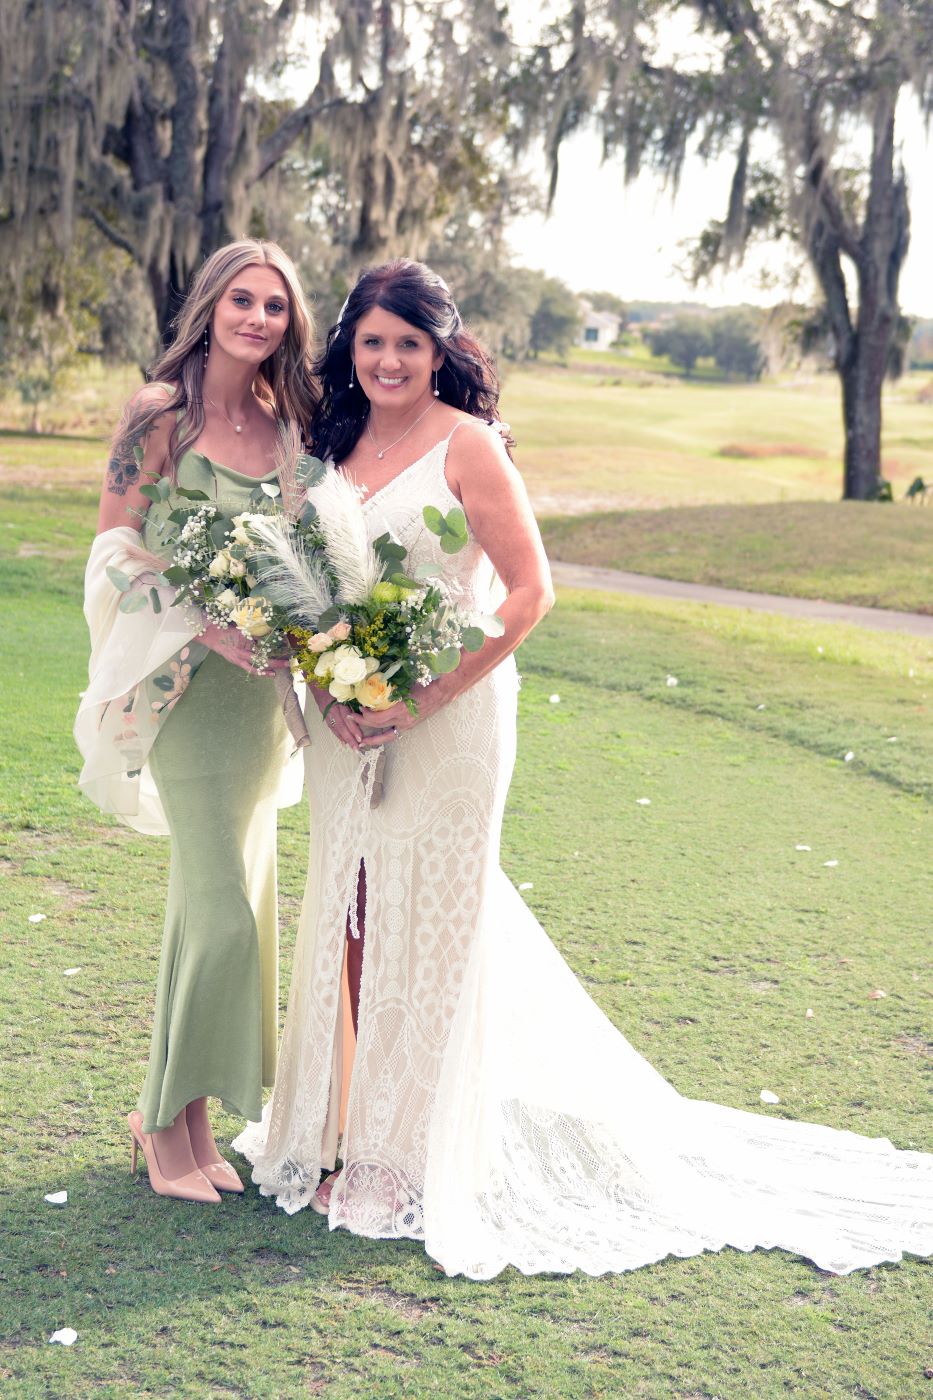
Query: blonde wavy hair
(284, 380)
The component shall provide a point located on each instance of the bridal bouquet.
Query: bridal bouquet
(361, 627)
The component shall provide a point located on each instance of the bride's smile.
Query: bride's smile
(395, 362)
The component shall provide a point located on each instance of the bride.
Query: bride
(436, 1043)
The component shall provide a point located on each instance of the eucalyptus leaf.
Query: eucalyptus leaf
(424, 571)
(309, 471)
(445, 661)
(403, 581)
(138, 454)
(191, 495)
(472, 638)
(218, 532)
(176, 574)
(269, 489)
(155, 600)
(434, 520)
(133, 602)
(328, 618)
(181, 516)
(119, 579)
(455, 521)
(452, 544)
(309, 514)
(152, 493)
(491, 624)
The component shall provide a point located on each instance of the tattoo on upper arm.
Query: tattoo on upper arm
(122, 473)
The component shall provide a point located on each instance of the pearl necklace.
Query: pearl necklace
(237, 427)
(375, 444)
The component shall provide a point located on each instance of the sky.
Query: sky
(604, 236)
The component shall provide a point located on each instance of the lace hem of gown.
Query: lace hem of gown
(494, 1111)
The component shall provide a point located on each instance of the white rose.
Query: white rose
(339, 691)
(252, 580)
(228, 599)
(237, 568)
(350, 668)
(325, 664)
(219, 566)
(241, 536)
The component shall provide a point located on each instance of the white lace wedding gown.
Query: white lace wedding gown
(494, 1111)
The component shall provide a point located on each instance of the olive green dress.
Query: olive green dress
(217, 763)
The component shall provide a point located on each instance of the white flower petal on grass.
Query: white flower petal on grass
(819, 651)
(672, 681)
(849, 757)
(760, 707)
(71, 971)
(37, 918)
(526, 885)
(66, 1335)
(643, 801)
(809, 1013)
(830, 863)
(57, 1198)
(892, 739)
(554, 699)
(877, 994)
(767, 1096)
(803, 848)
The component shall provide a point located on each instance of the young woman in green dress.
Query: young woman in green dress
(206, 729)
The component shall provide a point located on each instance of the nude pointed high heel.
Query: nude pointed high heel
(193, 1186)
(223, 1176)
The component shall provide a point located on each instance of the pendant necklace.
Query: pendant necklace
(375, 444)
(237, 427)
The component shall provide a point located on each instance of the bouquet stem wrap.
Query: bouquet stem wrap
(291, 709)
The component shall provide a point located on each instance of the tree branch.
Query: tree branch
(109, 232)
(287, 132)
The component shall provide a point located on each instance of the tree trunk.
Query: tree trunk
(862, 380)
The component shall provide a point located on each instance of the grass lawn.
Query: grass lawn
(589, 437)
(847, 551)
(695, 922)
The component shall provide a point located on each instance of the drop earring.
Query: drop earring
(437, 392)
(352, 368)
(206, 347)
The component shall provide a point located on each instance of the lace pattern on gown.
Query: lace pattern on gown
(494, 1111)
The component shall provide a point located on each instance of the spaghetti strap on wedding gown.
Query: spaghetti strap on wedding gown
(494, 1111)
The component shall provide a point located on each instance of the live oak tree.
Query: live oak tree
(805, 94)
(159, 121)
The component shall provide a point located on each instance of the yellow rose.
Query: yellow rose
(250, 619)
(375, 693)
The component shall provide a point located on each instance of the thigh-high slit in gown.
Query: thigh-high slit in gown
(494, 1112)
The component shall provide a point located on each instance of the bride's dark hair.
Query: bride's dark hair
(419, 296)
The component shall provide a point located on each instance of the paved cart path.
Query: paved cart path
(814, 609)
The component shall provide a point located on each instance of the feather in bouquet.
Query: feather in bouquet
(380, 632)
